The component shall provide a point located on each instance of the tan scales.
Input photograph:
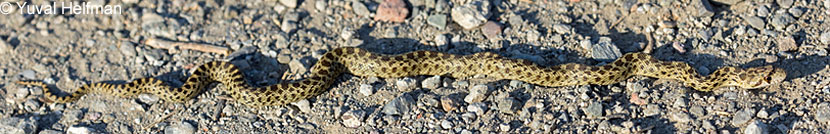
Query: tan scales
(360, 62)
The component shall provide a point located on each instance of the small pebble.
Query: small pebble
(491, 30)
(366, 89)
(708, 125)
(181, 127)
(446, 124)
(680, 117)
(31, 105)
(284, 58)
(297, 66)
(441, 5)
(697, 111)
(398, 106)
(16, 125)
(756, 127)
(479, 108)
(755, 22)
(562, 28)
(825, 37)
(303, 105)
(742, 116)
(781, 20)
(680, 102)
(406, 83)
(504, 127)
(784, 3)
(532, 35)
(448, 104)
(148, 98)
(289, 3)
(786, 43)
(507, 105)
(440, 40)
(28, 74)
(346, 33)
(651, 110)
(679, 47)
(392, 11)
(594, 110)
(585, 44)
(476, 94)
(605, 50)
(762, 114)
(21, 92)
(360, 9)
(704, 9)
(49, 131)
(465, 131)
(762, 11)
(353, 118)
(5, 47)
(796, 12)
(431, 82)
(823, 112)
(320, 5)
(437, 20)
(79, 130)
(472, 14)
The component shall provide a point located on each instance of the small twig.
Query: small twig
(172, 45)
(618, 21)
(650, 45)
(162, 119)
(630, 11)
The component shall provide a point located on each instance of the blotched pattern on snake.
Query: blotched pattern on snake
(360, 62)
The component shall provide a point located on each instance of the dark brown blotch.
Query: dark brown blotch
(618, 63)
(570, 67)
(329, 56)
(325, 62)
(362, 52)
(323, 72)
(350, 50)
(420, 53)
(583, 67)
(629, 57)
(446, 56)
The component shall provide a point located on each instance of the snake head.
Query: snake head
(768, 75)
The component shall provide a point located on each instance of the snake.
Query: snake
(361, 62)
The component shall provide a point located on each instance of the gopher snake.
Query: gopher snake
(360, 62)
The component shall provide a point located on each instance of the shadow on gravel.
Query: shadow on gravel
(800, 66)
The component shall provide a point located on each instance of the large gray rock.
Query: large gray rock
(181, 127)
(471, 15)
(755, 21)
(823, 113)
(743, 116)
(781, 20)
(704, 9)
(756, 127)
(605, 50)
(398, 106)
(15, 125)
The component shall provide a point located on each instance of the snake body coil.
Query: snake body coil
(360, 62)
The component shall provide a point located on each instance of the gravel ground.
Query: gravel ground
(277, 41)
